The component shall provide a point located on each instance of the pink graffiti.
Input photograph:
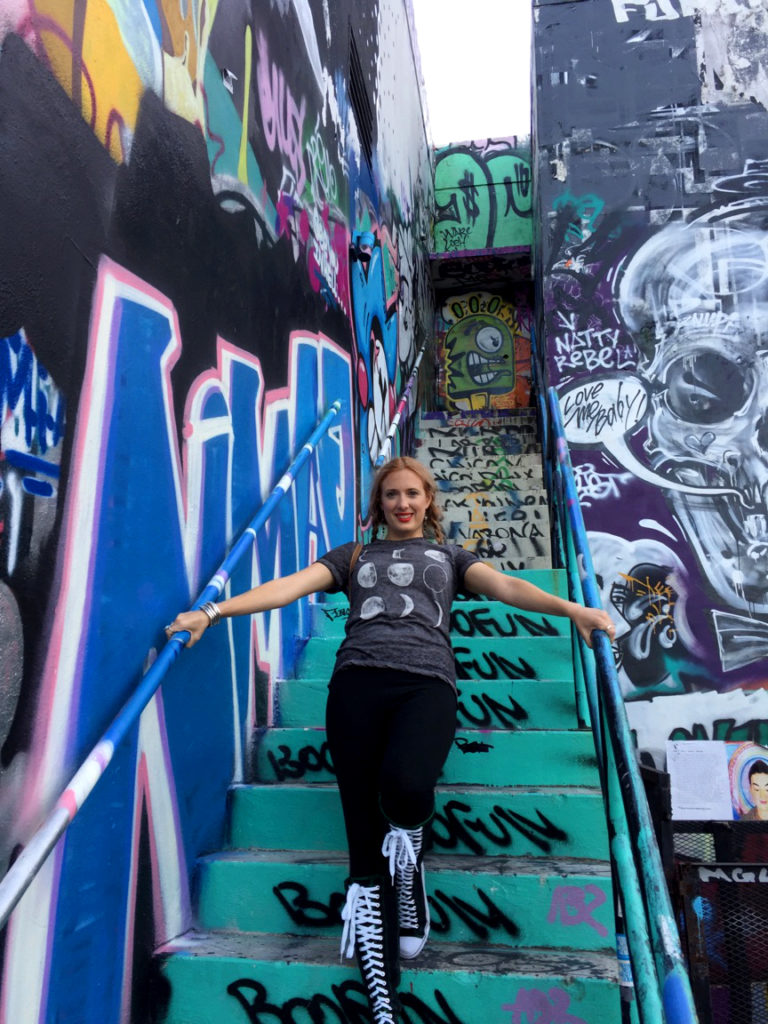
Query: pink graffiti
(532, 1006)
(570, 906)
(281, 117)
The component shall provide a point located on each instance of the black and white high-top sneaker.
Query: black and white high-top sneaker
(365, 936)
(404, 849)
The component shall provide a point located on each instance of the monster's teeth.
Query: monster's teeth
(756, 526)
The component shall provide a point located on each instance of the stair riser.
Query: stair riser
(491, 758)
(238, 990)
(306, 899)
(505, 704)
(523, 823)
(515, 658)
(512, 479)
(514, 541)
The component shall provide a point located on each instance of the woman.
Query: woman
(391, 712)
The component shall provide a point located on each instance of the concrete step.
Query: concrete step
(519, 902)
(446, 440)
(525, 657)
(486, 420)
(509, 477)
(437, 449)
(500, 704)
(522, 821)
(494, 757)
(230, 978)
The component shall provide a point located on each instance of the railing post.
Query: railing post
(673, 979)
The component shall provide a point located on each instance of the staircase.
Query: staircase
(519, 881)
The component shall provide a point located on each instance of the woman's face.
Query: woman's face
(758, 788)
(403, 504)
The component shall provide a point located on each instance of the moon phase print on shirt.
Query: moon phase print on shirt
(436, 579)
(401, 573)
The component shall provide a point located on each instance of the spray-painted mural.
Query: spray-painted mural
(211, 243)
(483, 196)
(656, 261)
(484, 352)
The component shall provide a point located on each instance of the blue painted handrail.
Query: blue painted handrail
(28, 863)
(386, 448)
(652, 932)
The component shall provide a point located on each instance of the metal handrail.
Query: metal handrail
(652, 932)
(386, 448)
(23, 870)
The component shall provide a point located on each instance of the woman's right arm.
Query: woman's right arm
(274, 594)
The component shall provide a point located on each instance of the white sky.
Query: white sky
(476, 62)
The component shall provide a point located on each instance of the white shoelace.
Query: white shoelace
(363, 926)
(402, 847)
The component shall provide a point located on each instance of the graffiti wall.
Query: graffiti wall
(215, 216)
(653, 193)
(483, 195)
(483, 351)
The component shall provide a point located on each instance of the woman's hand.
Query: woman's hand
(587, 619)
(195, 623)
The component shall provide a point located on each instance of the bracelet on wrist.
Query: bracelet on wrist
(212, 611)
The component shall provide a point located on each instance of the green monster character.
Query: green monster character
(481, 357)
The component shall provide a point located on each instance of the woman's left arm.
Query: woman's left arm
(481, 578)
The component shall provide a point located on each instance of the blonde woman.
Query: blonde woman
(391, 711)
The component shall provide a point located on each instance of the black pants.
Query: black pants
(389, 734)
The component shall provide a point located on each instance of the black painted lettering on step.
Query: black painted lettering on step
(480, 922)
(491, 665)
(489, 621)
(308, 760)
(492, 712)
(347, 1004)
(453, 826)
(294, 897)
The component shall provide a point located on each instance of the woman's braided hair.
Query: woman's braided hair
(433, 514)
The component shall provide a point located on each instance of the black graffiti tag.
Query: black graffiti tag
(480, 921)
(492, 666)
(452, 826)
(486, 621)
(492, 712)
(348, 1005)
(310, 913)
(309, 759)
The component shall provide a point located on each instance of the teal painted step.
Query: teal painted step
(469, 618)
(233, 978)
(516, 901)
(505, 658)
(477, 758)
(498, 704)
(531, 821)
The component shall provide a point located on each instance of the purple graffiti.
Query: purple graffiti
(570, 907)
(532, 1006)
(281, 116)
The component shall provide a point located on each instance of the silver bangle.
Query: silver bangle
(212, 611)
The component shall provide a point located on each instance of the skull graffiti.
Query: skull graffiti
(696, 298)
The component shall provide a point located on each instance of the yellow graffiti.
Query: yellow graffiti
(659, 596)
(105, 55)
(87, 55)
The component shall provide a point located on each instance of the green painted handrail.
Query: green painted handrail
(652, 932)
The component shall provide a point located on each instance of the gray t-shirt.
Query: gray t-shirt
(400, 597)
